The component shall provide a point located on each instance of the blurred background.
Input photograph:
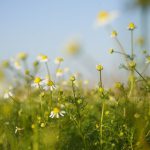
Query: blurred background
(49, 27)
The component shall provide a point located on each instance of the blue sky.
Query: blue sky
(36, 26)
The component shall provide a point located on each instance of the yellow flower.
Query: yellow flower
(59, 72)
(72, 78)
(42, 58)
(73, 48)
(118, 85)
(114, 34)
(5, 64)
(22, 56)
(131, 26)
(99, 67)
(58, 60)
(104, 17)
(37, 80)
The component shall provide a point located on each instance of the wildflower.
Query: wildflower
(72, 78)
(114, 34)
(101, 90)
(59, 72)
(136, 115)
(35, 63)
(17, 65)
(48, 85)
(73, 48)
(147, 60)
(131, 26)
(104, 17)
(42, 58)
(37, 82)
(8, 93)
(57, 112)
(99, 67)
(118, 85)
(43, 125)
(22, 56)
(132, 64)
(27, 72)
(5, 64)
(140, 41)
(58, 60)
(111, 50)
(18, 129)
(33, 126)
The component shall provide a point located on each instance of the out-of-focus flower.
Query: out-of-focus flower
(73, 48)
(5, 64)
(58, 60)
(111, 50)
(42, 58)
(59, 72)
(104, 17)
(22, 56)
(140, 41)
(8, 93)
(147, 60)
(57, 112)
(131, 26)
(17, 65)
(48, 85)
(72, 78)
(114, 34)
(37, 82)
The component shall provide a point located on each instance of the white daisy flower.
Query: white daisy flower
(48, 85)
(58, 60)
(59, 72)
(37, 82)
(42, 58)
(57, 112)
(104, 17)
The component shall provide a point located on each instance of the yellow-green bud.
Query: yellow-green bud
(72, 78)
(99, 67)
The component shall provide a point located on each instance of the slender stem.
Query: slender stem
(48, 71)
(100, 79)
(140, 75)
(101, 126)
(132, 48)
(121, 48)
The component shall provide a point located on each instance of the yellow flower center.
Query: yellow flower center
(56, 110)
(131, 26)
(37, 80)
(44, 57)
(50, 83)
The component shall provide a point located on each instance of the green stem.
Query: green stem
(101, 126)
(100, 79)
(132, 48)
(48, 71)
